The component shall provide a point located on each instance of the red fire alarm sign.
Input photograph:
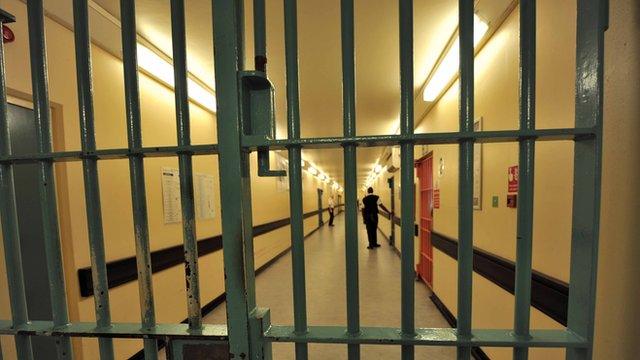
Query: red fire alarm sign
(513, 179)
(436, 199)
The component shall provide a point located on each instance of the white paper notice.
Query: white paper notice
(171, 196)
(204, 185)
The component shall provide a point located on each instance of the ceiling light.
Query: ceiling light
(377, 168)
(312, 170)
(162, 70)
(302, 163)
(450, 63)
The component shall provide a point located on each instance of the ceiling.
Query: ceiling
(377, 58)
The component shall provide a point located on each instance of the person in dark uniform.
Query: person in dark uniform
(332, 209)
(370, 214)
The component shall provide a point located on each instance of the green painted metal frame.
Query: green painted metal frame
(249, 331)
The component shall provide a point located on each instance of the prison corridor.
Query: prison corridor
(379, 270)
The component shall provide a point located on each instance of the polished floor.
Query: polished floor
(326, 304)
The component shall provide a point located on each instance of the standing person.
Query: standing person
(370, 215)
(332, 206)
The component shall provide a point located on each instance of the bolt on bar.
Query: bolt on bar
(229, 60)
(350, 169)
(9, 220)
(295, 174)
(591, 24)
(465, 185)
(407, 192)
(53, 251)
(90, 172)
(136, 169)
(526, 175)
(185, 163)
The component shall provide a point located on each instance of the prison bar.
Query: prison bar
(587, 171)
(350, 170)
(178, 36)
(295, 174)
(229, 60)
(46, 181)
(407, 191)
(136, 170)
(90, 174)
(9, 218)
(524, 238)
(465, 182)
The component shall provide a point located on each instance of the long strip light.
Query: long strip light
(162, 70)
(450, 64)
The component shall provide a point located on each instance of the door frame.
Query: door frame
(429, 255)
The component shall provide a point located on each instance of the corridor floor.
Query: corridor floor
(326, 299)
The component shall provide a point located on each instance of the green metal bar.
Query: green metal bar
(526, 175)
(9, 219)
(229, 60)
(592, 23)
(407, 192)
(295, 174)
(497, 136)
(465, 191)
(178, 37)
(90, 172)
(260, 35)
(217, 333)
(136, 170)
(426, 337)
(47, 188)
(350, 171)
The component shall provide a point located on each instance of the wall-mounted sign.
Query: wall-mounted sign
(436, 199)
(513, 179)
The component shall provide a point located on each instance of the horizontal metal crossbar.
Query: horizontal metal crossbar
(424, 139)
(425, 337)
(109, 154)
(117, 330)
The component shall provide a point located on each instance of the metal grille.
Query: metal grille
(249, 333)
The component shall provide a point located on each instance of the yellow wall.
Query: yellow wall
(158, 125)
(496, 91)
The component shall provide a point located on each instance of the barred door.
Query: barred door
(244, 124)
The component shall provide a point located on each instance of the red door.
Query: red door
(425, 177)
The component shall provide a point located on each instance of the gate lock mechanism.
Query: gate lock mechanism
(258, 116)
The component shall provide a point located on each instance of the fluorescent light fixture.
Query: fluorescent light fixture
(302, 163)
(377, 168)
(450, 64)
(162, 70)
(312, 170)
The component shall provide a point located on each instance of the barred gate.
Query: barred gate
(245, 123)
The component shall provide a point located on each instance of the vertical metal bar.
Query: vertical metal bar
(229, 59)
(136, 170)
(465, 191)
(592, 22)
(260, 32)
(47, 188)
(9, 220)
(90, 172)
(526, 175)
(295, 175)
(178, 36)
(407, 193)
(350, 171)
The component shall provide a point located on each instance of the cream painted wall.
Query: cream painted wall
(496, 90)
(158, 124)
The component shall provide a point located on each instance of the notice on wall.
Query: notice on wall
(203, 188)
(171, 196)
(513, 179)
(436, 198)
(204, 185)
